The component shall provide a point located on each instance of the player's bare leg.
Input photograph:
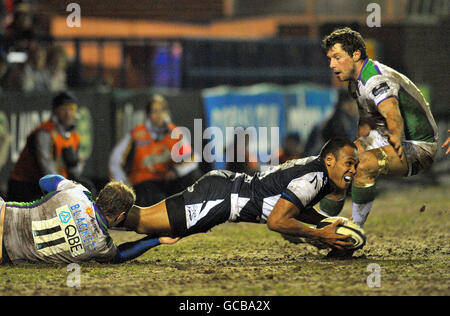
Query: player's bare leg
(373, 163)
(151, 220)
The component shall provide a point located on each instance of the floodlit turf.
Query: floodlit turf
(409, 243)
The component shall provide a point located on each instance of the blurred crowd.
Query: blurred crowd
(29, 61)
(143, 158)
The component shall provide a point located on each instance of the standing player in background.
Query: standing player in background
(397, 134)
(68, 225)
(52, 148)
(143, 157)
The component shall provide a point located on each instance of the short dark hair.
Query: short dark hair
(350, 40)
(115, 198)
(334, 145)
(63, 98)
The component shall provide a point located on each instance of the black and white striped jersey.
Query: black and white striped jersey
(304, 182)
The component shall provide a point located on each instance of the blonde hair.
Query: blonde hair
(115, 198)
(156, 98)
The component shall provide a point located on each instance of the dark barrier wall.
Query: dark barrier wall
(103, 119)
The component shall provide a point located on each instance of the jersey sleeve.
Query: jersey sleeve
(134, 249)
(68, 184)
(54, 182)
(380, 88)
(302, 191)
(107, 253)
(50, 182)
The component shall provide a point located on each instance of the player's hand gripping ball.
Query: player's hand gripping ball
(347, 227)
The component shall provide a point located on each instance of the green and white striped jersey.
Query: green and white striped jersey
(64, 226)
(378, 82)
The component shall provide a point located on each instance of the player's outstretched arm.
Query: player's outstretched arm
(390, 110)
(132, 250)
(283, 219)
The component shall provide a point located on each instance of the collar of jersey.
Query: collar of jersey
(362, 69)
(325, 171)
(33, 203)
(101, 220)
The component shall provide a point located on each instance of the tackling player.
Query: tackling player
(281, 197)
(67, 225)
(397, 132)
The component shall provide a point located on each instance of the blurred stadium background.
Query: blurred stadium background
(227, 62)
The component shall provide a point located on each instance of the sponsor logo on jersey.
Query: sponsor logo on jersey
(381, 88)
(58, 234)
(64, 217)
(195, 212)
(71, 233)
(82, 224)
(90, 211)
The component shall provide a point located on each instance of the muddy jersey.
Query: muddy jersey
(64, 226)
(222, 195)
(378, 82)
(303, 182)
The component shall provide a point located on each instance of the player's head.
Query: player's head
(157, 110)
(64, 107)
(114, 202)
(340, 156)
(344, 48)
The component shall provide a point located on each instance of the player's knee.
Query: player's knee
(368, 165)
(273, 223)
(360, 148)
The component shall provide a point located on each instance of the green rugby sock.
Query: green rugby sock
(331, 207)
(364, 195)
(362, 203)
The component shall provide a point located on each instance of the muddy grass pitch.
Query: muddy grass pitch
(407, 253)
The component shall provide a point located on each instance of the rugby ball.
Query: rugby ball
(347, 227)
